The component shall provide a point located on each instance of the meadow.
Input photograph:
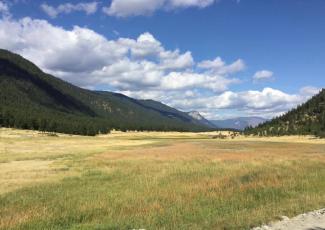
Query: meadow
(153, 180)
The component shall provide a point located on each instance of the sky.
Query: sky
(223, 58)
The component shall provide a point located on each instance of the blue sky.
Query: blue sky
(271, 52)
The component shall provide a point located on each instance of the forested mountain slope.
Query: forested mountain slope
(196, 115)
(306, 119)
(32, 99)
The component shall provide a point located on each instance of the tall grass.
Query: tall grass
(184, 184)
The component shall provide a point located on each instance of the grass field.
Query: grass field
(156, 180)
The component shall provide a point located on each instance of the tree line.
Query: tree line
(306, 119)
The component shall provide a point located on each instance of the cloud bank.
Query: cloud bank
(143, 68)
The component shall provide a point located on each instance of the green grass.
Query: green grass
(180, 184)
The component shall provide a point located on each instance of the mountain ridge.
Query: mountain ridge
(32, 99)
(201, 119)
(306, 119)
(239, 123)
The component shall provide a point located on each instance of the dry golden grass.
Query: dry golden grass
(17, 174)
(156, 180)
(29, 157)
(219, 150)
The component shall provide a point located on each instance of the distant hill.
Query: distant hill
(201, 120)
(32, 99)
(306, 119)
(239, 123)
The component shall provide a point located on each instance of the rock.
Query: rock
(284, 218)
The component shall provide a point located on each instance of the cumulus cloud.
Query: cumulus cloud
(140, 67)
(125, 8)
(66, 8)
(124, 63)
(219, 66)
(267, 103)
(174, 60)
(263, 75)
(190, 80)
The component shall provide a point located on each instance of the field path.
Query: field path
(309, 221)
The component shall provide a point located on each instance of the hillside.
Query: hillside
(202, 120)
(32, 99)
(239, 123)
(306, 119)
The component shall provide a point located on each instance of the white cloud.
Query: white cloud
(123, 63)
(190, 3)
(142, 68)
(267, 103)
(4, 10)
(309, 91)
(144, 46)
(66, 8)
(190, 80)
(263, 75)
(219, 66)
(129, 75)
(125, 8)
(174, 60)
(269, 98)
(49, 10)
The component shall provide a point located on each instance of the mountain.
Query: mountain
(306, 119)
(32, 99)
(239, 123)
(200, 119)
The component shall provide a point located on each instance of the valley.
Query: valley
(162, 114)
(156, 180)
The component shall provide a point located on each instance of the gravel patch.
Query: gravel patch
(308, 221)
